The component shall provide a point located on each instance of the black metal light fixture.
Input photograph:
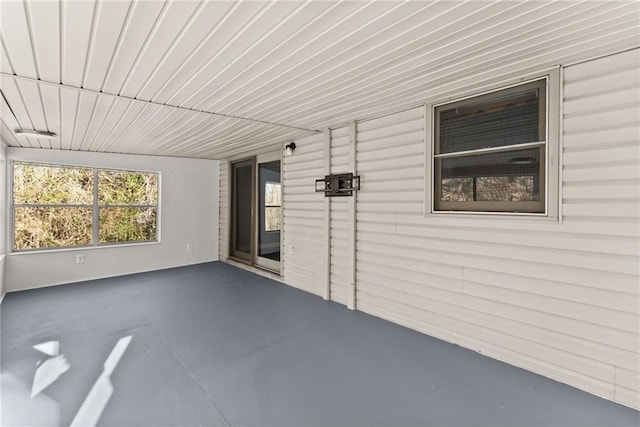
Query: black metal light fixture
(289, 148)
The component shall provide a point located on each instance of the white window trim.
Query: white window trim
(553, 153)
(94, 243)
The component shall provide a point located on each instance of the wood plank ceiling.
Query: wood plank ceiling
(218, 79)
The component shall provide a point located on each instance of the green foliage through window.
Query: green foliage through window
(53, 206)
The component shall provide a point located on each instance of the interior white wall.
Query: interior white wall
(3, 212)
(189, 197)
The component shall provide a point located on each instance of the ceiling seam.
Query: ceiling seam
(195, 110)
(219, 52)
(206, 38)
(114, 54)
(365, 65)
(228, 82)
(194, 75)
(322, 33)
(104, 121)
(302, 47)
(248, 49)
(292, 89)
(171, 47)
(274, 49)
(118, 46)
(177, 39)
(116, 125)
(145, 44)
(97, 7)
(410, 55)
(36, 61)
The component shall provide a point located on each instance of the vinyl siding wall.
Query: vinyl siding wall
(304, 235)
(557, 298)
(560, 298)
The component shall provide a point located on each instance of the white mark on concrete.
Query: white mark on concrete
(97, 399)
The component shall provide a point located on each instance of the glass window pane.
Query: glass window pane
(507, 117)
(127, 188)
(127, 224)
(272, 217)
(507, 176)
(243, 184)
(39, 184)
(42, 227)
(272, 194)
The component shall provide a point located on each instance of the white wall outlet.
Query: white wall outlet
(79, 259)
(289, 249)
(189, 247)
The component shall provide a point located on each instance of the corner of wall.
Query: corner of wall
(3, 216)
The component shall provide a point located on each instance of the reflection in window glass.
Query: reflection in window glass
(490, 150)
(272, 203)
(501, 177)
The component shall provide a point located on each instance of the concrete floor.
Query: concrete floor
(213, 344)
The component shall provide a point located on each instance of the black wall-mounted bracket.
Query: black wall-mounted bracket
(337, 185)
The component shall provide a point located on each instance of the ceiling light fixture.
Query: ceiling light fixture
(36, 133)
(289, 148)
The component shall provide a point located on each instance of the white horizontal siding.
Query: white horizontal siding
(304, 262)
(558, 299)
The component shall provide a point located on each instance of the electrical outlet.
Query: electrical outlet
(189, 247)
(79, 259)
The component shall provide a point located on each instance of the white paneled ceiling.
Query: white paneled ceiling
(217, 79)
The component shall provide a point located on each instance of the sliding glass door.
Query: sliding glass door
(242, 210)
(269, 215)
(256, 212)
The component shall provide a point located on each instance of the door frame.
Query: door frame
(253, 259)
(266, 263)
(233, 253)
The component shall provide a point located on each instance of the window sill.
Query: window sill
(489, 218)
(81, 248)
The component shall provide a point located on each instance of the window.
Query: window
(63, 206)
(491, 152)
(272, 202)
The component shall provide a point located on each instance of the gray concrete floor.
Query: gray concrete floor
(213, 344)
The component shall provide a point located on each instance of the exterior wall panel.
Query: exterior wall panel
(303, 258)
(558, 299)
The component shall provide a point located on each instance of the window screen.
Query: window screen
(489, 152)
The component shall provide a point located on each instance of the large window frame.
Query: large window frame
(548, 206)
(95, 206)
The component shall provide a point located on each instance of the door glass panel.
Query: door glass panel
(269, 211)
(242, 195)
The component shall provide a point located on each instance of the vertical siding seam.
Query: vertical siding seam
(327, 217)
(560, 148)
(351, 224)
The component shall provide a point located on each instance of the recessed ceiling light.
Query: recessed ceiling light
(33, 132)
